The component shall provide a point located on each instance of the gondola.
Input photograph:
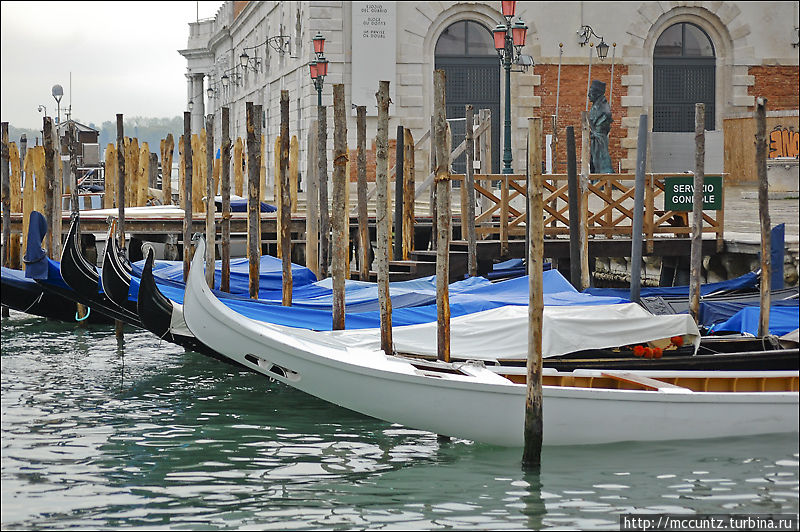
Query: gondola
(711, 354)
(115, 272)
(27, 296)
(84, 278)
(485, 404)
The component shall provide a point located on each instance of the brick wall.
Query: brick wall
(238, 7)
(779, 84)
(572, 100)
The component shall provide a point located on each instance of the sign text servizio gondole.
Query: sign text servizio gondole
(679, 193)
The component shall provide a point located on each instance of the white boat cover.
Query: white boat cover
(502, 333)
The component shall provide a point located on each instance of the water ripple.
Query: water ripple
(97, 434)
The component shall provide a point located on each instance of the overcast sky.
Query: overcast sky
(123, 57)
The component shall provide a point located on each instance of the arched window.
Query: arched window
(683, 75)
(465, 51)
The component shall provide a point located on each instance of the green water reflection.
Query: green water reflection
(97, 434)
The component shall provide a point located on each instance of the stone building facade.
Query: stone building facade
(664, 56)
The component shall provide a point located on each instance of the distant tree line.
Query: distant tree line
(149, 130)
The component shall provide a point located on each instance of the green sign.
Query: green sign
(679, 193)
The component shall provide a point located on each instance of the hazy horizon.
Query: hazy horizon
(41, 43)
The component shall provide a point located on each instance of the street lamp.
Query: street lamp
(43, 108)
(508, 41)
(190, 105)
(318, 68)
(58, 93)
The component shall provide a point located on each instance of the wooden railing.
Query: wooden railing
(608, 201)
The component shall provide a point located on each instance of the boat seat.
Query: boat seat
(646, 382)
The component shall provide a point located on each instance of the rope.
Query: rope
(35, 301)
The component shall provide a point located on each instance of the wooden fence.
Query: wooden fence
(608, 201)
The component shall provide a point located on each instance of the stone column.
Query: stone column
(189, 89)
(199, 109)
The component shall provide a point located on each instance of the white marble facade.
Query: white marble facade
(744, 34)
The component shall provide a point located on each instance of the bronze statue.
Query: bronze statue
(599, 125)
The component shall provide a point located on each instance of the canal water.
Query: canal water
(145, 435)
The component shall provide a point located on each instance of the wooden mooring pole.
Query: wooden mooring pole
(211, 230)
(339, 206)
(6, 188)
(15, 187)
(696, 253)
(398, 194)
(253, 198)
(167, 149)
(584, 195)
(6, 184)
(763, 216)
(442, 181)
(469, 185)
(17, 176)
(285, 213)
(408, 194)
(533, 431)
(50, 191)
(120, 187)
(361, 188)
(72, 138)
(638, 211)
(312, 201)
(382, 221)
(324, 212)
(225, 191)
(573, 193)
(433, 189)
(187, 193)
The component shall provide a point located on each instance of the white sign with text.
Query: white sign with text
(374, 56)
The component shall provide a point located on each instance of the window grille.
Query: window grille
(684, 73)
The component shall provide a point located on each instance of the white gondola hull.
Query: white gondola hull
(469, 401)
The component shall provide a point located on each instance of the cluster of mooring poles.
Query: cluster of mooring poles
(130, 179)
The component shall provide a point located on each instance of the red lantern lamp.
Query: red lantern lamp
(319, 44)
(499, 33)
(518, 32)
(312, 67)
(322, 67)
(509, 8)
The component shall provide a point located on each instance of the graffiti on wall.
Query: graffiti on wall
(784, 142)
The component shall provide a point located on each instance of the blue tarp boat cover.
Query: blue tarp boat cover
(239, 204)
(748, 280)
(271, 269)
(16, 278)
(714, 312)
(35, 257)
(413, 301)
(782, 320)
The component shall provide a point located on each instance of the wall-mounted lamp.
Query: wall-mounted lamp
(585, 33)
(235, 77)
(190, 105)
(253, 63)
(279, 43)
